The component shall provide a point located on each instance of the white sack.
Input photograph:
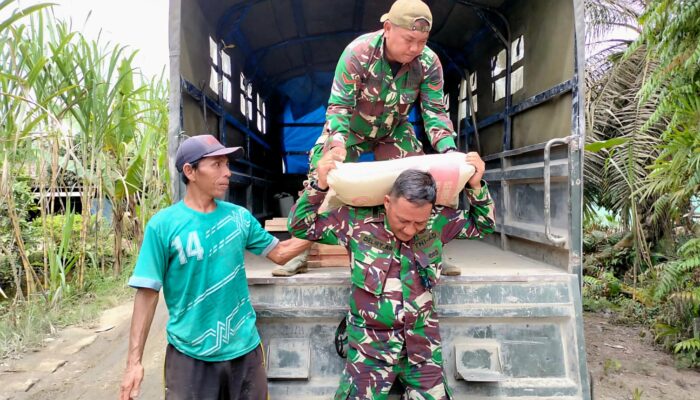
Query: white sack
(365, 184)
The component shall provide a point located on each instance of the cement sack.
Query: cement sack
(365, 184)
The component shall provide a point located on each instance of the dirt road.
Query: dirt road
(92, 362)
(623, 361)
(89, 363)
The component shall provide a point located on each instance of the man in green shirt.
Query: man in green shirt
(379, 77)
(194, 251)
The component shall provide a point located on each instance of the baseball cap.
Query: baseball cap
(405, 13)
(197, 147)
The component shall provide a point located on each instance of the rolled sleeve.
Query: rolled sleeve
(138, 282)
(270, 246)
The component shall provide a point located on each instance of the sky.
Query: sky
(139, 24)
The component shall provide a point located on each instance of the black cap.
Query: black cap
(197, 147)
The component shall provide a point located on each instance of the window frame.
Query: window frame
(517, 67)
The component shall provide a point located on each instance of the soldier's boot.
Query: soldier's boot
(296, 265)
(450, 269)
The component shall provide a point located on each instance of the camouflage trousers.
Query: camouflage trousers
(366, 378)
(389, 147)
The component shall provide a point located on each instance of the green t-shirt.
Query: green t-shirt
(197, 258)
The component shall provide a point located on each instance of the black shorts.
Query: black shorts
(243, 378)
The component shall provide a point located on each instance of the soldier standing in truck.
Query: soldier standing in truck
(379, 77)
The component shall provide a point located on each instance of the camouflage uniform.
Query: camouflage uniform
(368, 107)
(392, 323)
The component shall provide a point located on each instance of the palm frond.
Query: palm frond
(688, 346)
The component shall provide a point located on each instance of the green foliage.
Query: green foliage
(637, 394)
(61, 261)
(24, 324)
(595, 147)
(690, 345)
(643, 163)
(678, 274)
(611, 366)
(9, 258)
(677, 289)
(671, 35)
(74, 117)
(608, 285)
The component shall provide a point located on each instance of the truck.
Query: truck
(257, 74)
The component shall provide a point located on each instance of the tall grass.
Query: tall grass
(74, 116)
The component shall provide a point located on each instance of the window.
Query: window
(249, 102)
(475, 103)
(243, 92)
(499, 88)
(464, 97)
(262, 116)
(214, 58)
(226, 72)
(517, 49)
(446, 101)
(246, 98)
(220, 70)
(498, 68)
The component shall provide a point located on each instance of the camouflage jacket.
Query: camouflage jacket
(391, 305)
(367, 101)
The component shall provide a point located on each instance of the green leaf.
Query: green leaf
(688, 346)
(595, 147)
(21, 13)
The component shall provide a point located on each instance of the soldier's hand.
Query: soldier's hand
(325, 165)
(341, 152)
(479, 168)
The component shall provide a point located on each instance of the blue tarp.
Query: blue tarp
(302, 122)
(298, 140)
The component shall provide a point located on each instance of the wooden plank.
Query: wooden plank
(278, 224)
(314, 255)
(328, 249)
(329, 261)
(276, 228)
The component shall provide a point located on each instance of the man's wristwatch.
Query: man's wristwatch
(314, 185)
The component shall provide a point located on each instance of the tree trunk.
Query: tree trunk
(137, 233)
(15, 274)
(30, 276)
(118, 233)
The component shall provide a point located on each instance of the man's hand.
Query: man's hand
(479, 168)
(341, 152)
(327, 163)
(131, 384)
(145, 303)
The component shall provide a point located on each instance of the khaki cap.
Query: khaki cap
(405, 13)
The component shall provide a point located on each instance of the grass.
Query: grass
(25, 325)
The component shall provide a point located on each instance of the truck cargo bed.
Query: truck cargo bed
(478, 260)
(511, 326)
